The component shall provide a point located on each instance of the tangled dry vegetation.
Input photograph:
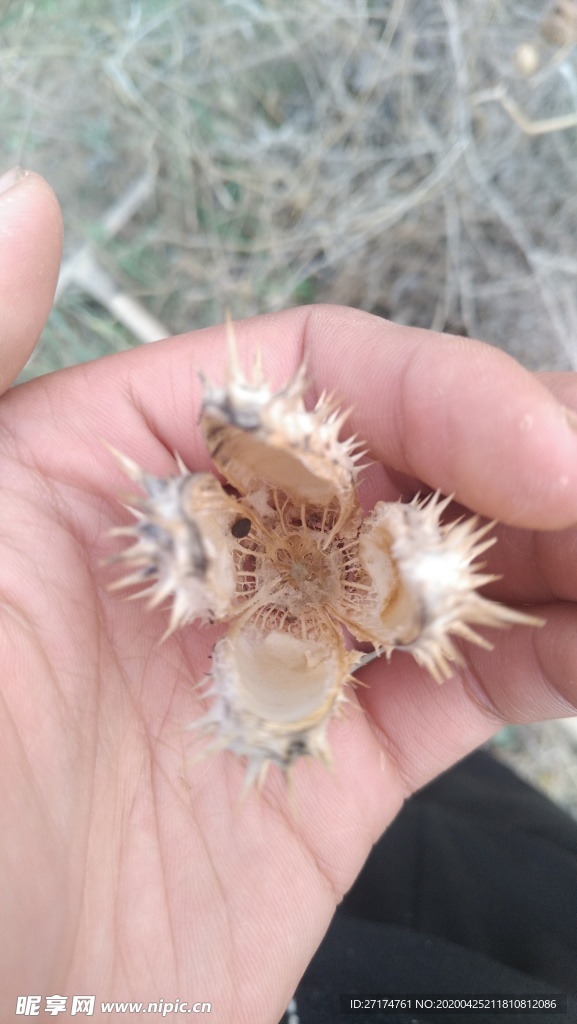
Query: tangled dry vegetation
(380, 153)
(415, 158)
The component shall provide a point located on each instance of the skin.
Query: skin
(130, 869)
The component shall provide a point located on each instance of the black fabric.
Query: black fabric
(472, 888)
(366, 957)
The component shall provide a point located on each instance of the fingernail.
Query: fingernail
(11, 177)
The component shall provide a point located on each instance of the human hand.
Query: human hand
(131, 870)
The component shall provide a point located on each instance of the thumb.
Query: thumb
(30, 251)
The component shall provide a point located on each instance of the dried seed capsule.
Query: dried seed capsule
(290, 563)
(277, 680)
(419, 584)
(184, 546)
(263, 439)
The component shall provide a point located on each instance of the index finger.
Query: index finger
(459, 415)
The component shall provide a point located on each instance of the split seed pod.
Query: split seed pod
(289, 562)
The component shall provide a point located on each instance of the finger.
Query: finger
(30, 251)
(534, 566)
(537, 567)
(145, 402)
(529, 676)
(563, 386)
(457, 414)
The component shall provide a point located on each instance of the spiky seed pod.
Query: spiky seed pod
(420, 584)
(184, 546)
(290, 563)
(277, 680)
(261, 439)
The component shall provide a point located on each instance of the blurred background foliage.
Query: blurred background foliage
(376, 153)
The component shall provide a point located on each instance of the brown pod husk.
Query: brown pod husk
(290, 563)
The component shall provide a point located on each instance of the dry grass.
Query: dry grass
(545, 755)
(415, 158)
(326, 150)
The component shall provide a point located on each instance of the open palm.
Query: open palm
(131, 870)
